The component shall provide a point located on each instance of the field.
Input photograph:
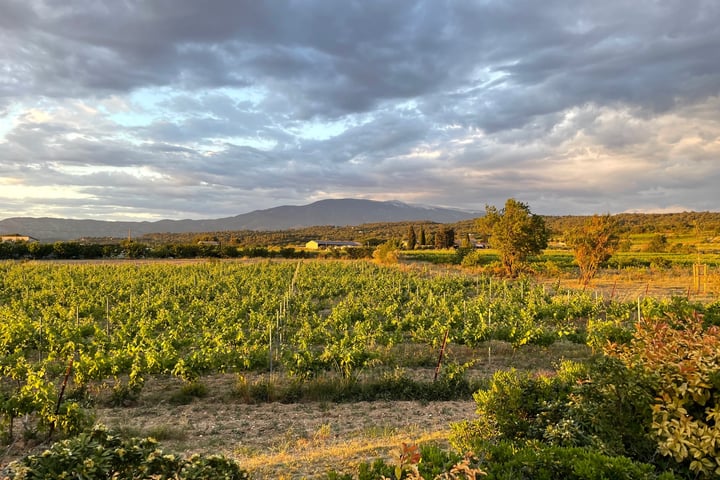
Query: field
(297, 367)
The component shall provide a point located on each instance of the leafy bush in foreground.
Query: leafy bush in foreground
(507, 462)
(602, 405)
(684, 358)
(660, 393)
(101, 455)
(414, 462)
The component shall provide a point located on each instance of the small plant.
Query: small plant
(188, 392)
(166, 432)
(407, 462)
(415, 462)
(322, 433)
(123, 395)
(463, 470)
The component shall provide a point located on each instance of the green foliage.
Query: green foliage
(461, 253)
(658, 392)
(437, 257)
(329, 388)
(411, 241)
(712, 314)
(684, 359)
(639, 223)
(602, 405)
(515, 232)
(323, 324)
(98, 455)
(517, 405)
(507, 461)
(600, 332)
(30, 393)
(188, 392)
(658, 243)
(417, 462)
(123, 394)
(608, 409)
(445, 238)
(477, 258)
(387, 253)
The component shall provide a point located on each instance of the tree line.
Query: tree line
(135, 249)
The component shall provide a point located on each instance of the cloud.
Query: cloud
(177, 108)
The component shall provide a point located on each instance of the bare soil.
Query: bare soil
(302, 440)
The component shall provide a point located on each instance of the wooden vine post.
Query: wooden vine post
(68, 370)
(440, 357)
(700, 277)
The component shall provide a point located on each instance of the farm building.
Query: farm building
(322, 244)
(15, 237)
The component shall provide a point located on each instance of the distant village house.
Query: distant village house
(475, 243)
(323, 244)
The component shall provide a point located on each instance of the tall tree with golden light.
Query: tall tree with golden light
(593, 244)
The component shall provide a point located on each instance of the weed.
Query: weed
(166, 432)
(323, 433)
(188, 392)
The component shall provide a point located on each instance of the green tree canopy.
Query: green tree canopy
(445, 237)
(411, 238)
(515, 232)
(658, 243)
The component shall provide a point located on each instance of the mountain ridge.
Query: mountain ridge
(339, 212)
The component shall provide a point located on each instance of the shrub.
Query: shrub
(507, 462)
(609, 408)
(684, 358)
(603, 405)
(416, 462)
(477, 258)
(188, 392)
(387, 253)
(392, 386)
(600, 332)
(516, 406)
(100, 455)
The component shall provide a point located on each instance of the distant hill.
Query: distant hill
(338, 212)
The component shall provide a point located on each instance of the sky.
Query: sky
(145, 110)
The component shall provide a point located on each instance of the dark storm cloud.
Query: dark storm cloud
(345, 57)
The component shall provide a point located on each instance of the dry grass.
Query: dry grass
(630, 283)
(295, 440)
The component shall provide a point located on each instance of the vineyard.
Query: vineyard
(68, 330)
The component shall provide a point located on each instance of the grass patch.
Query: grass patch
(165, 432)
(391, 386)
(189, 392)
